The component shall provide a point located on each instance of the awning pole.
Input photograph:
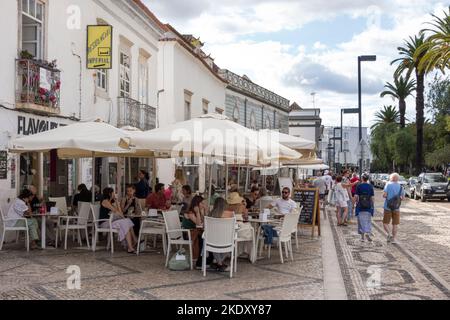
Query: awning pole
(239, 176)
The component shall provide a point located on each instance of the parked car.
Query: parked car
(402, 181)
(410, 185)
(377, 181)
(432, 186)
(384, 178)
(372, 178)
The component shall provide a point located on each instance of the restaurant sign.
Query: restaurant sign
(99, 47)
(29, 126)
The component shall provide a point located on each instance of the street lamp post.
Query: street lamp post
(361, 59)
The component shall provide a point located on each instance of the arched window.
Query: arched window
(236, 113)
(252, 120)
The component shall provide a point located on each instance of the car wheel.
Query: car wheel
(416, 197)
(422, 198)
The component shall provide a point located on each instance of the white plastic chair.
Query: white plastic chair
(175, 234)
(219, 237)
(149, 227)
(4, 219)
(95, 210)
(80, 222)
(236, 245)
(290, 222)
(61, 204)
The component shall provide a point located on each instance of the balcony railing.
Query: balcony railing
(38, 86)
(135, 114)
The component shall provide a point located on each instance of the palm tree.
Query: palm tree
(401, 89)
(435, 50)
(386, 115)
(409, 62)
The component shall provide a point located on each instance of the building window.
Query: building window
(267, 123)
(205, 106)
(125, 75)
(252, 120)
(187, 104)
(143, 80)
(33, 12)
(102, 79)
(236, 114)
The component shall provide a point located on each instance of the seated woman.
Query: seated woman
(123, 225)
(220, 211)
(21, 209)
(131, 205)
(237, 205)
(252, 199)
(192, 218)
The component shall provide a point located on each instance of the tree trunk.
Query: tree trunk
(419, 121)
(402, 110)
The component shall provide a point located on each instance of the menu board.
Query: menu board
(3, 165)
(309, 201)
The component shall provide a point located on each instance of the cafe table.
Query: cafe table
(43, 217)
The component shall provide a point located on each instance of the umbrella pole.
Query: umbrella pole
(210, 184)
(129, 170)
(93, 177)
(239, 177)
(246, 180)
(124, 176)
(226, 180)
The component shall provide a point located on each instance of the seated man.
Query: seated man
(35, 204)
(157, 200)
(285, 204)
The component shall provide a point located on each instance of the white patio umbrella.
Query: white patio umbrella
(89, 139)
(296, 143)
(211, 135)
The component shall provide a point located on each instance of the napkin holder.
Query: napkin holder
(152, 213)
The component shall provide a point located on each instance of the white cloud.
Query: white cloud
(268, 63)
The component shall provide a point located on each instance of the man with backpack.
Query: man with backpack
(394, 194)
(364, 199)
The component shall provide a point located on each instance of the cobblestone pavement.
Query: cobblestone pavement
(379, 270)
(425, 231)
(42, 275)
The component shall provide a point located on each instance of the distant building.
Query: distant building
(351, 151)
(305, 123)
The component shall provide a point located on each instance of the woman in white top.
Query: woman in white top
(341, 195)
(21, 209)
(176, 186)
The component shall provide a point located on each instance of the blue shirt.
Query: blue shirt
(367, 189)
(392, 189)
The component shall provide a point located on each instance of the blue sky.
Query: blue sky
(295, 47)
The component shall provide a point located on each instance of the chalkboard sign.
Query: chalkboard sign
(3, 165)
(309, 200)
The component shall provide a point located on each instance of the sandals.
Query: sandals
(131, 252)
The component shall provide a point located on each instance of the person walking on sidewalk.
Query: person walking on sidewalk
(364, 199)
(393, 194)
(348, 186)
(341, 196)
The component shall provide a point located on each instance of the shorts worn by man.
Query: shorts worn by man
(391, 190)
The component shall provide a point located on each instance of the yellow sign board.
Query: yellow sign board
(99, 47)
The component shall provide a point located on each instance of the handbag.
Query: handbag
(180, 261)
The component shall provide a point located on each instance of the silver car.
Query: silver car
(410, 186)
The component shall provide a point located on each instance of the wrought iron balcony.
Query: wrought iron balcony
(133, 113)
(38, 86)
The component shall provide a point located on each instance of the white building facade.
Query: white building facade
(42, 31)
(351, 150)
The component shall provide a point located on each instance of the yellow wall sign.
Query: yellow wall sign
(99, 47)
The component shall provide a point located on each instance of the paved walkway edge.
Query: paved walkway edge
(430, 273)
(333, 283)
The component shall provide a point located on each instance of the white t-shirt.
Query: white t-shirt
(341, 193)
(328, 181)
(17, 210)
(284, 206)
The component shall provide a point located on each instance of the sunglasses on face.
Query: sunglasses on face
(285, 192)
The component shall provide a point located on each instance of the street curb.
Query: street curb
(424, 268)
(333, 282)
